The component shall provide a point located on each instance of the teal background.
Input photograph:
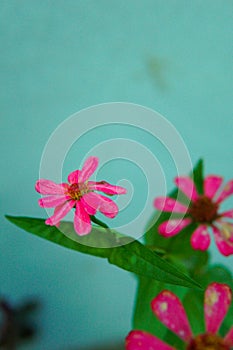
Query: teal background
(58, 57)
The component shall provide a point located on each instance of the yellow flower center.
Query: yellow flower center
(76, 191)
(208, 341)
(204, 210)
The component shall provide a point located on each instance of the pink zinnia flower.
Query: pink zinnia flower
(169, 310)
(79, 194)
(203, 210)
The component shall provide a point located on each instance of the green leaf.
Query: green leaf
(51, 233)
(133, 257)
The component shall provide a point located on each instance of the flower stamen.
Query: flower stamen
(208, 341)
(204, 210)
(76, 191)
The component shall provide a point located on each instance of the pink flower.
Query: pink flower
(169, 310)
(203, 210)
(80, 194)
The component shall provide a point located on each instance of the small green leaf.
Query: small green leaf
(133, 257)
(193, 304)
(198, 176)
(144, 318)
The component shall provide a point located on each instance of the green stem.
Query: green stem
(99, 222)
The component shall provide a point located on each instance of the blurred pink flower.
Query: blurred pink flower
(169, 310)
(203, 210)
(80, 194)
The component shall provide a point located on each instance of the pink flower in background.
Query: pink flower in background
(203, 210)
(169, 310)
(78, 193)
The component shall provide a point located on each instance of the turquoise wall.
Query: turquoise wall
(58, 57)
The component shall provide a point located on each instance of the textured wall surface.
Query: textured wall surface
(58, 57)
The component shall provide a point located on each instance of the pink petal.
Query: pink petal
(90, 210)
(49, 187)
(140, 340)
(169, 310)
(211, 185)
(88, 169)
(107, 206)
(187, 186)
(226, 230)
(60, 212)
(52, 201)
(224, 239)
(227, 214)
(103, 204)
(200, 238)
(169, 205)
(172, 227)
(229, 337)
(216, 304)
(73, 177)
(57, 209)
(106, 187)
(82, 222)
(226, 192)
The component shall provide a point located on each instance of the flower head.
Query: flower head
(203, 210)
(170, 311)
(78, 193)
